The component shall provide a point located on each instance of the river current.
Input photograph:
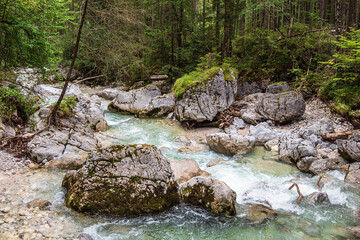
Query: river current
(256, 177)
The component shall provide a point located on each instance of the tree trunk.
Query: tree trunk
(52, 117)
(227, 28)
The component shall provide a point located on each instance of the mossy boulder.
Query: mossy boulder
(122, 180)
(209, 193)
(203, 101)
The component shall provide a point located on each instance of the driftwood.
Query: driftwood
(159, 77)
(341, 135)
(298, 190)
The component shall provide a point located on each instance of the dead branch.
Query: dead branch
(22, 137)
(298, 190)
(341, 135)
(89, 78)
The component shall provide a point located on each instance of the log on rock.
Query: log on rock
(341, 135)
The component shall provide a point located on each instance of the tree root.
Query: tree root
(298, 190)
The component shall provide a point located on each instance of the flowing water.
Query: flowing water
(256, 177)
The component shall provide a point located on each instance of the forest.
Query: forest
(314, 44)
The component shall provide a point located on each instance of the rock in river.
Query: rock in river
(209, 193)
(186, 169)
(350, 149)
(206, 101)
(123, 180)
(229, 144)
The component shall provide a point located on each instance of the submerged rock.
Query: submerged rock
(186, 169)
(209, 193)
(215, 162)
(41, 204)
(123, 180)
(205, 102)
(258, 213)
(317, 198)
(229, 144)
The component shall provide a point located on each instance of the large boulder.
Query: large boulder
(282, 107)
(144, 102)
(186, 169)
(209, 193)
(123, 180)
(350, 149)
(278, 87)
(207, 100)
(229, 144)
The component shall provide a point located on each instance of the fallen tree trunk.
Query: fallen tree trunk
(341, 135)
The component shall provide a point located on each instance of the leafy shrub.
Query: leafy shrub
(15, 107)
(67, 105)
(343, 87)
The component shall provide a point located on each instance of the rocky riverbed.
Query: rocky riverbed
(220, 171)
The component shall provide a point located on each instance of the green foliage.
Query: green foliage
(267, 54)
(67, 105)
(14, 106)
(29, 32)
(343, 88)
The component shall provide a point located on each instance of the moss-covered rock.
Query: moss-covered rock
(203, 101)
(209, 193)
(123, 180)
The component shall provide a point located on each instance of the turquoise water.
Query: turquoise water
(255, 177)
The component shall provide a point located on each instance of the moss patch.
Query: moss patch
(199, 78)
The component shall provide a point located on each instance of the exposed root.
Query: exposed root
(298, 190)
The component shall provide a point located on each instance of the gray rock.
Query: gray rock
(350, 149)
(323, 165)
(85, 236)
(109, 93)
(278, 88)
(317, 198)
(238, 123)
(248, 107)
(206, 101)
(144, 102)
(186, 169)
(304, 163)
(247, 88)
(272, 145)
(354, 231)
(288, 148)
(353, 174)
(318, 128)
(91, 114)
(258, 213)
(262, 133)
(282, 107)
(209, 193)
(230, 144)
(123, 180)
(215, 162)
